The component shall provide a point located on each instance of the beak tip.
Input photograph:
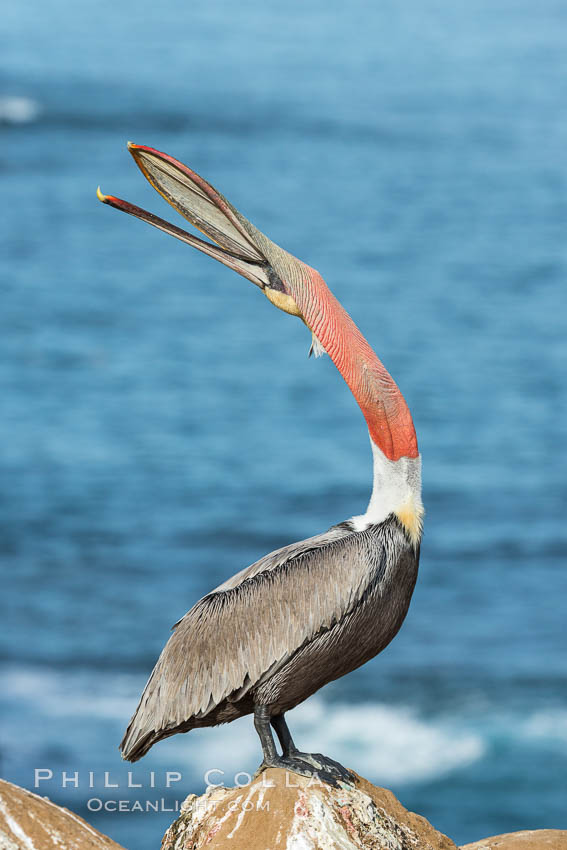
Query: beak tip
(100, 196)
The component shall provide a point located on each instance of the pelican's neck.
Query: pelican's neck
(382, 404)
(396, 490)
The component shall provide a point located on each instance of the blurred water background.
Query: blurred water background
(161, 423)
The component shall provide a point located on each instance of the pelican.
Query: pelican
(306, 614)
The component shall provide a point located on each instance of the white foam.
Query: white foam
(68, 694)
(389, 743)
(550, 725)
(18, 110)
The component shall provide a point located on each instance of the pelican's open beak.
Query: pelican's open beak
(237, 243)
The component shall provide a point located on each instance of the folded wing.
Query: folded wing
(250, 626)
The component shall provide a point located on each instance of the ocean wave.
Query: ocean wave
(389, 744)
(55, 693)
(18, 110)
(386, 743)
(549, 724)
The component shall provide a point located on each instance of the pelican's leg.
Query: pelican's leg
(262, 726)
(284, 735)
(323, 765)
(289, 761)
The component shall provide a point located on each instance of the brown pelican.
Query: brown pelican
(302, 616)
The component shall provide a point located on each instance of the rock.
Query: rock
(277, 811)
(284, 811)
(29, 822)
(527, 839)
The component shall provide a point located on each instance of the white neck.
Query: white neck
(396, 489)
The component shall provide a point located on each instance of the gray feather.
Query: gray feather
(240, 641)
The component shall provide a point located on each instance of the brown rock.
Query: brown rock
(283, 811)
(29, 822)
(527, 839)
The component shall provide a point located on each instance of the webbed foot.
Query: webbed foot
(313, 765)
(327, 765)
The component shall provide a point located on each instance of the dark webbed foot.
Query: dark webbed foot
(325, 765)
(324, 771)
(294, 765)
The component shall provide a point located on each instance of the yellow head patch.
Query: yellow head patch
(411, 517)
(282, 301)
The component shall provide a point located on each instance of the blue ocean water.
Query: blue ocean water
(161, 423)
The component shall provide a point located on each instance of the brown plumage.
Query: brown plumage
(277, 631)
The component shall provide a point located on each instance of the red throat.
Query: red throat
(387, 415)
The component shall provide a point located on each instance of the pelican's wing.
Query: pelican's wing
(249, 626)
